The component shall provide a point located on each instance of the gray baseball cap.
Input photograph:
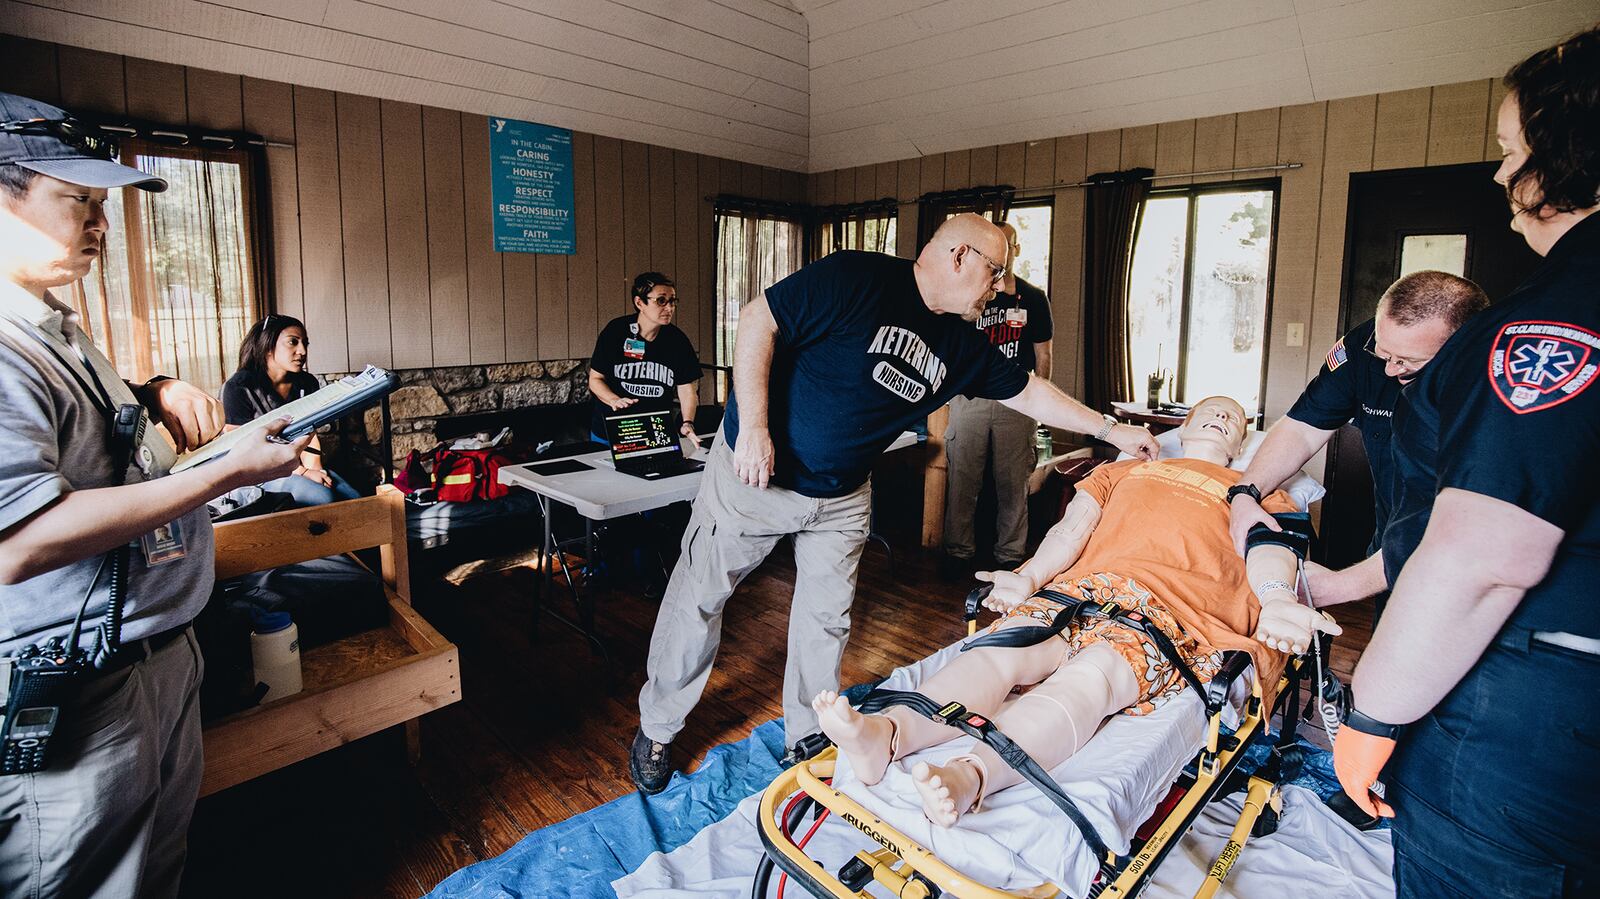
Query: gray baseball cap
(51, 141)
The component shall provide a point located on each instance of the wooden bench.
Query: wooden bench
(353, 687)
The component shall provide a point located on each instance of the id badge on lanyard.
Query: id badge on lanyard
(633, 346)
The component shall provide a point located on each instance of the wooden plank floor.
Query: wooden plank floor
(538, 737)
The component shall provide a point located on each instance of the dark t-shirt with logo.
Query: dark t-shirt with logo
(1351, 387)
(1015, 322)
(1509, 410)
(648, 370)
(859, 359)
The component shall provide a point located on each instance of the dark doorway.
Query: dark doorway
(1400, 221)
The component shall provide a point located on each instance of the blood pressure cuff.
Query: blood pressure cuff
(1295, 536)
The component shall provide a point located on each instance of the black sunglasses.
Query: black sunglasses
(76, 134)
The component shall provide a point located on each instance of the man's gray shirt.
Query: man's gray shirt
(52, 442)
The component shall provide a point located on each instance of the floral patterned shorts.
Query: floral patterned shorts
(1158, 678)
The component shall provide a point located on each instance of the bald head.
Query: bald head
(956, 269)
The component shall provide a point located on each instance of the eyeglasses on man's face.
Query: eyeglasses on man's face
(1407, 366)
(996, 270)
(662, 300)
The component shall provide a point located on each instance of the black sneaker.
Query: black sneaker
(650, 764)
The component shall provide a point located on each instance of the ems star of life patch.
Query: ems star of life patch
(1337, 355)
(1534, 365)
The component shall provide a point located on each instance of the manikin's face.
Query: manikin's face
(1215, 421)
(52, 235)
(291, 350)
(658, 306)
(1405, 349)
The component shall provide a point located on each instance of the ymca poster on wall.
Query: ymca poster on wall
(531, 174)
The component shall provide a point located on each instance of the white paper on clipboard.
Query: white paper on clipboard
(308, 412)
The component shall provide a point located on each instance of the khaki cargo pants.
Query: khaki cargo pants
(731, 530)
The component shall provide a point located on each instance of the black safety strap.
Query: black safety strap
(1072, 607)
(980, 727)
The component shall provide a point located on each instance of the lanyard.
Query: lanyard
(99, 396)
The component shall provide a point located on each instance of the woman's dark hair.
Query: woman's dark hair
(648, 281)
(262, 337)
(1558, 100)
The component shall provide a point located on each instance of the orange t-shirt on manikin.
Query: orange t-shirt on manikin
(1165, 525)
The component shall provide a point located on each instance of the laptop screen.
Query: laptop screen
(640, 435)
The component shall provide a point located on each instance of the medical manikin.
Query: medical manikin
(1151, 537)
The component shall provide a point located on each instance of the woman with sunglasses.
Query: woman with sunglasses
(272, 372)
(642, 362)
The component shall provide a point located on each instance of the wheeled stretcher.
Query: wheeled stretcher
(1089, 838)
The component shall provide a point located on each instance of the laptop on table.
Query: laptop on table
(645, 445)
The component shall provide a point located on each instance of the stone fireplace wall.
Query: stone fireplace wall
(427, 395)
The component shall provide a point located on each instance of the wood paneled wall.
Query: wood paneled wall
(1442, 125)
(379, 214)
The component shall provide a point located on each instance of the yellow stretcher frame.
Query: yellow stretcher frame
(908, 870)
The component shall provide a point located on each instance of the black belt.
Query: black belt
(139, 650)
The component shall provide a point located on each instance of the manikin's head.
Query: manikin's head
(962, 265)
(1549, 140)
(1416, 315)
(1215, 426)
(55, 172)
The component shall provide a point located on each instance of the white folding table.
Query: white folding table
(601, 493)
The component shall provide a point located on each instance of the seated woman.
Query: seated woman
(643, 361)
(272, 372)
(1151, 537)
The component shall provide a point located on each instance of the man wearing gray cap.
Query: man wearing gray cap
(98, 779)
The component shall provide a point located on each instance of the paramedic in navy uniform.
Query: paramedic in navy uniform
(830, 366)
(643, 361)
(1489, 653)
(1360, 383)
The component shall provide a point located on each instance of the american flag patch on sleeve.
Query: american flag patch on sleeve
(1337, 355)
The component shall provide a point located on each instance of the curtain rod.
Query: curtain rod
(227, 139)
(1279, 167)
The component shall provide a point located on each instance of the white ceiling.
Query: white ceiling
(823, 84)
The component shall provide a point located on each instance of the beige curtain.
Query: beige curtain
(753, 252)
(178, 282)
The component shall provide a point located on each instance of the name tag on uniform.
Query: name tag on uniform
(1016, 318)
(633, 348)
(163, 544)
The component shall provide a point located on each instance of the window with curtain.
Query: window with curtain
(178, 283)
(1198, 291)
(753, 252)
(875, 232)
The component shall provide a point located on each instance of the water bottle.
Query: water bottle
(275, 654)
(1043, 445)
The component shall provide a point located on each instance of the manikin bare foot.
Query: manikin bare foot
(865, 740)
(947, 791)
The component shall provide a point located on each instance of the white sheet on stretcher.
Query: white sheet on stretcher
(1020, 838)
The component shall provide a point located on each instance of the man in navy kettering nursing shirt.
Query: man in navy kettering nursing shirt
(831, 365)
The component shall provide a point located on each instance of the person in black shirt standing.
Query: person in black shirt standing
(1480, 679)
(272, 372)
(1360, 383)
(1017, 322)
(830, 366)
(643, 361)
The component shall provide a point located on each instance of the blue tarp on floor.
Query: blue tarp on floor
(581, 856)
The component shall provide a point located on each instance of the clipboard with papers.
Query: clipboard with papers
(343, 397)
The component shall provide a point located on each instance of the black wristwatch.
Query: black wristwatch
(1355, 720)
(1244, 490)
